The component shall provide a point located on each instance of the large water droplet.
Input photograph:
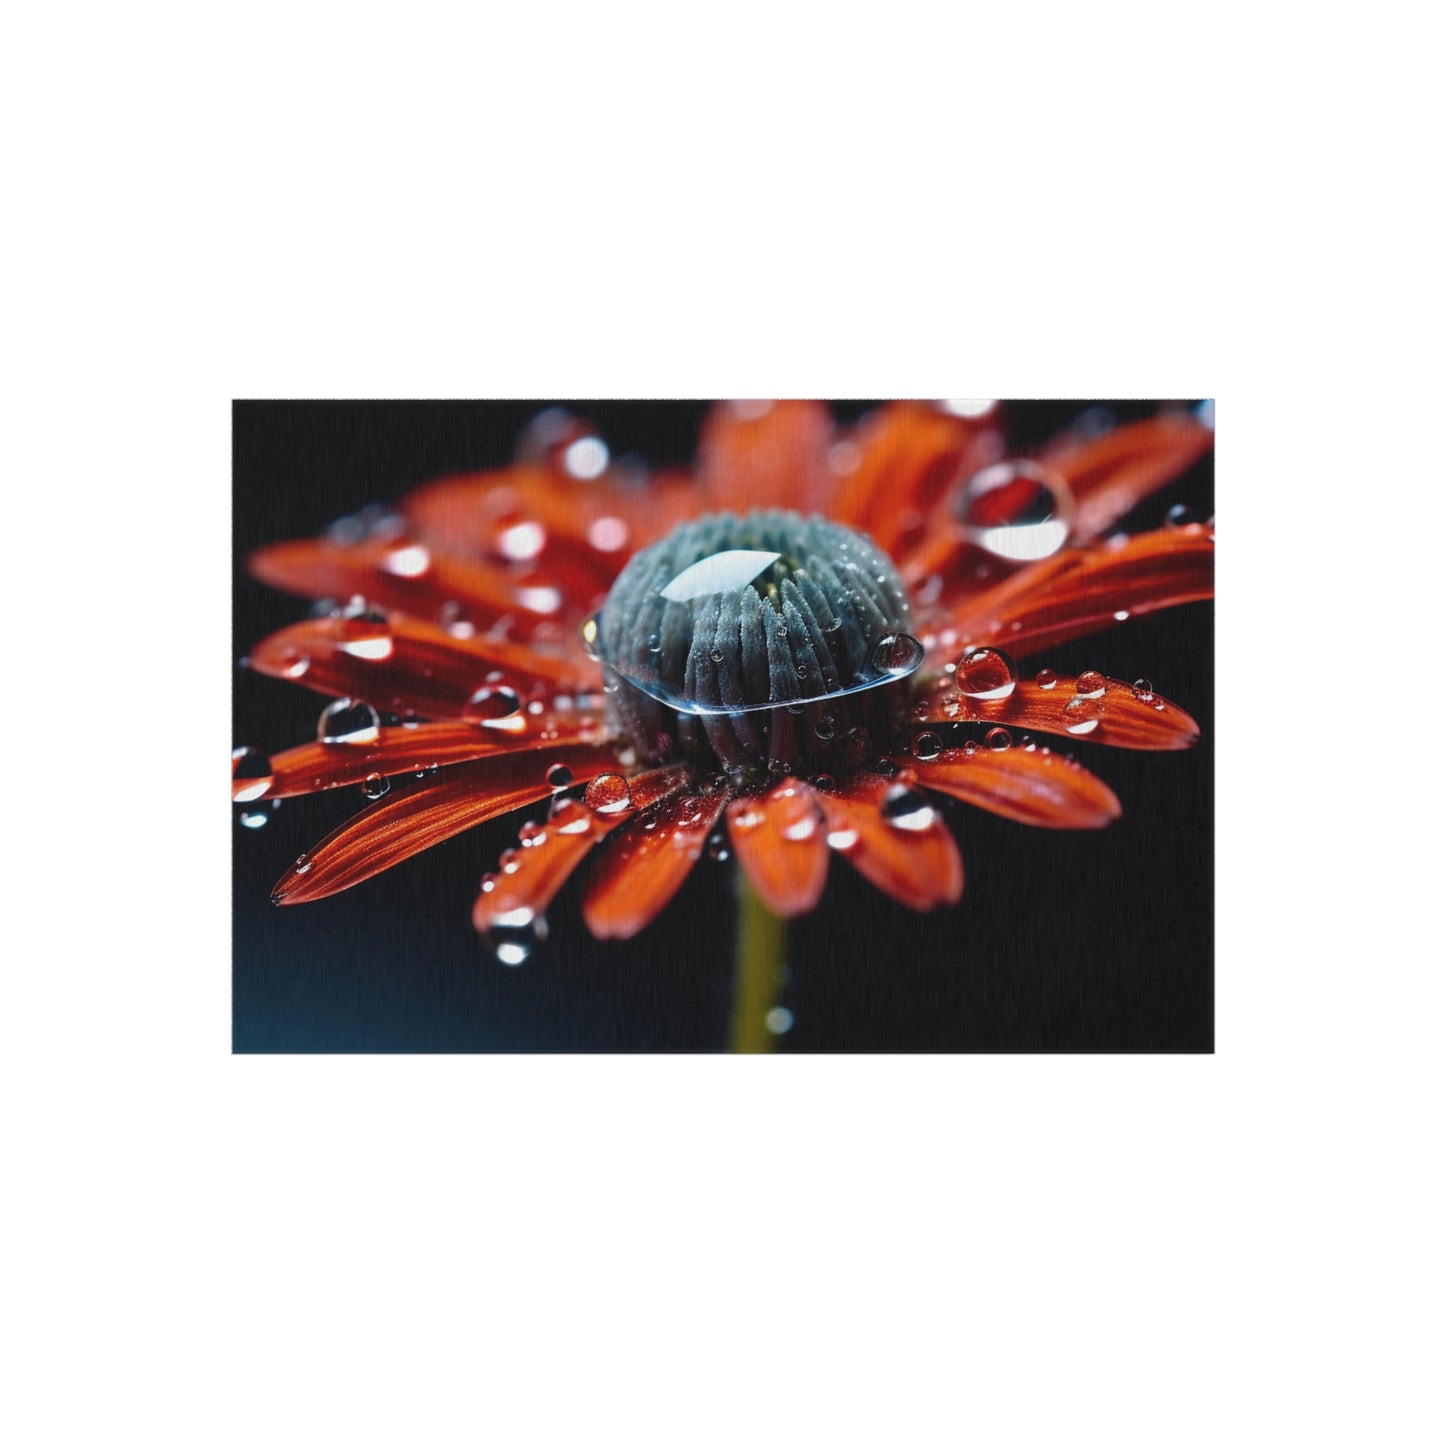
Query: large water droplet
(608, 794)
(1081, 715)
(1016, 510)
(490, 704)
(514, 937)
(1143, 690)
(1090, 684)
(361, 630)
(986, 675)
(1047, 678)
(825, 727)
(349, 722)
(377, 785)
(251, 767)
(1000, 740)
(903, 808)
(293, 663)
(559, 776)
(927, 746)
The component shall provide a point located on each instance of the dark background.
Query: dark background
(1095, 941)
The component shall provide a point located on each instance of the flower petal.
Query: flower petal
(1032, 786)
(765, 454)
(1080, 591)
(781, 845)
(389, 832)
(407, 575)
(427, 670)
(638, 875)
(896, 840)
(313, 767)
(1110, 474)
(1123, 718)
(898, 463)
(530, 879)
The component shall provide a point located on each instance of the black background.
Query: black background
(1094, 941)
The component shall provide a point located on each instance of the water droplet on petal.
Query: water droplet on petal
(1081, 715)
(903, 808)
(1016, 510)
(1000, 740)
(1047, 678)
(349, 722)
(1090, 684)
(1143, 690)
(927, 746)
(302, 864)
(253, 768)
(608, 794)
(514, 936)
(970, 748)
(293, 662)
(491, 704)
(531, 835)
(1122, 615)
(1179, 516)
(898, 654)
(985, 674)
(825, 727)
(412, 560)
(377, 785)
(559, 776)
(842, 839)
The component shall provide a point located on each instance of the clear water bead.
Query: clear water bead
(559, 776)
(927, 746)
(898, 654)
(608, 794)
(903, 808)
(1090, 684)
(1016, 510)
(1143, 690)
(1047, 678)
(1082, 714)
(252, 769)
(999, 740)
(349, 722)
(376, 785)
(985, 674)
(491, 704)
(514, 937)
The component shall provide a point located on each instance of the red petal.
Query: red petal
(1121, 719)
(404, 575)
(1081, 591)
(644, 867)
(1028, 785)
(532, 876)
(902, 459)
(916, 865)
(389, 832)
(316, 766)
(774, 457)
(781, 846)
(1110, 474)
(428, 671)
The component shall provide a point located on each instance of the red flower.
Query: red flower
(474, 661)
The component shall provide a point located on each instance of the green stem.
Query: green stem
(762, 950)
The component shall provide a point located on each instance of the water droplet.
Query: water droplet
(490, 704)
(1179, 516)
(825, 782)
(654, 642)
(349, 722)
(302, 864)
(411, 560)
(586, 459)
(1081, 715)
(1016, 510)
(1047, 678)
(778, 1020)
(842, 839)
(898, 654)
(292, 662)
(1090, 684)
(986, 675)
(1000, 740)
(251, 767)
(259, 814)
(531, 835)
(1143, 690)
(717, 654)
(377, 785)
(1122, 615)
(927, 746)
(717, 848)
(520, 540)
(825, 727)
(608, 794)
(903, 808)
(514, 937)
(970, 748)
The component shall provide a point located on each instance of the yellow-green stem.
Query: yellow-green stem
(762, 952)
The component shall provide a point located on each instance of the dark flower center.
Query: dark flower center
(758, 645)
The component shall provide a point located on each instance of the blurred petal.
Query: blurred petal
(896, 840)
(1122, 718)
(531, 878)
(1028, 785)
(1080, 591)
(420, 579)
(1110, 474)
(316, 766)
(780, 843)
(427, 670)
(638, 875)
(899, 461)
(765, 454)
(391, 831)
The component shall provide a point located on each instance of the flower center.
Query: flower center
(758, 645)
